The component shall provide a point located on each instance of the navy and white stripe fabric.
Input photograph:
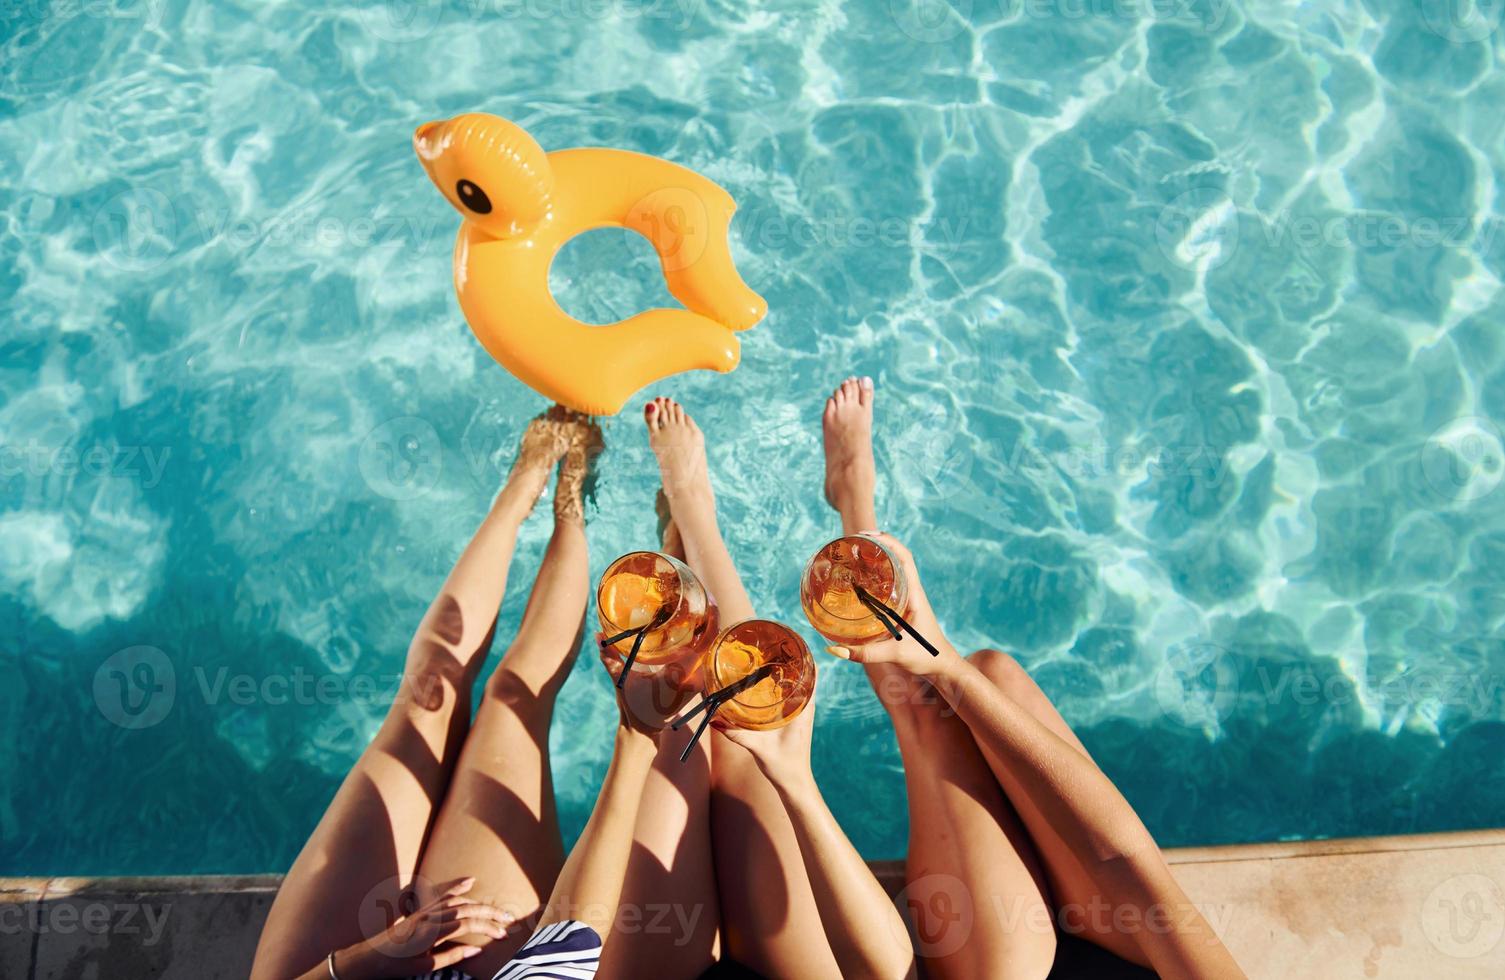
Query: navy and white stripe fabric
(566, 950)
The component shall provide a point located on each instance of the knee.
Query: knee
(1004, 671)
(433, 678)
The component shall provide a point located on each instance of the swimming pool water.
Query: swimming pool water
(1185, 317)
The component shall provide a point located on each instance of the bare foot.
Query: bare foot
(850, 474)
(680, 448)
(544, 443)
(585, 445)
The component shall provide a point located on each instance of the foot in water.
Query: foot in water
(680, 449)
(576, 469)
(679, 446)
(544, 443)
(850, 473)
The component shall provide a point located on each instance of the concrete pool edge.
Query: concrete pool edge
(1376, 907)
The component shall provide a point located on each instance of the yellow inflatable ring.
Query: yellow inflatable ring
(521, 205)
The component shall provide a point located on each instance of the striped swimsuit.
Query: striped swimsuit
(567, 950)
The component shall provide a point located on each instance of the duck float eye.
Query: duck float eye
(473, 197)
(533, 203)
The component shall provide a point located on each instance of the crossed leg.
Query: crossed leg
(349, 880)
(970, 862)
(770, 922)
(1059, 877)
(498, 822)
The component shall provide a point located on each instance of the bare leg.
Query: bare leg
(498, 822)
(671, 914)
(365, 850)
(977, 898)
(847, 426)
(977, 901)
(850, 479)
(769, 917)
(1076, 894)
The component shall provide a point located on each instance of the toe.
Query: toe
(865, 391)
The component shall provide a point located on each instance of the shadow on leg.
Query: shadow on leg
(669, 913)
(498, 822)
(1079, 902)
(975, 891)
(364, 853)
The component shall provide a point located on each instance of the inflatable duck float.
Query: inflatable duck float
(521, 205)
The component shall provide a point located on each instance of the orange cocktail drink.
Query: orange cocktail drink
(654, 602)
(829, 589)
(776, 697)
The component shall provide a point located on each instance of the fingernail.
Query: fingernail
(841, 652)
(867, 382)
(469, 952)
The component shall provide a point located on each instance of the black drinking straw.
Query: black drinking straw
(711, 702)
(640, 632)
(882, 613)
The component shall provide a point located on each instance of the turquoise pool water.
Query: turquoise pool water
(1185, 317)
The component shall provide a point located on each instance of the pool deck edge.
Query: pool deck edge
(1377, 907)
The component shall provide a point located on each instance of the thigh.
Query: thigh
(669, 914)
(1076, 895)
(498, 823)
(975, 891)
(347, 882)
(769, 919)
